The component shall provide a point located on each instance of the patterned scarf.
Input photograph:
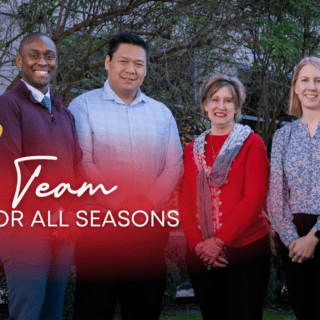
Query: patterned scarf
(208, 197)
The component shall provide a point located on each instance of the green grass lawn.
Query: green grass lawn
(265, 317)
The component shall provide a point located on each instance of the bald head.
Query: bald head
(29, 39)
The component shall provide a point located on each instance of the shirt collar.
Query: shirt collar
(109, 94)
(38, 95)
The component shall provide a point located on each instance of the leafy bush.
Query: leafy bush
(271, 295)
(177, 273)
(67, 313)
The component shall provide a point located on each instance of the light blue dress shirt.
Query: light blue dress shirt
(135, 147)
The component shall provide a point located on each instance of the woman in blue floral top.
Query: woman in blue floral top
(294, 191)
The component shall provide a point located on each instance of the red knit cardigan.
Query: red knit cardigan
(242, 196)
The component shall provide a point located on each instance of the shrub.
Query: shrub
(272, 286)
(67, 313)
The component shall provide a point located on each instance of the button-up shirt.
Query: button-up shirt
(135, 147)
(37, 94)
(295, 178)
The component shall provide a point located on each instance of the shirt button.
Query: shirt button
(220, 203)
(220, 214)
(226, 182)
(199, 227)
(220, 224)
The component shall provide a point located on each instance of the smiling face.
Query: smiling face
(221, 109)
(38, 62)
(307, 87)
(127, 70)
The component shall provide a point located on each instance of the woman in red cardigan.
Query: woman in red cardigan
(222, 195)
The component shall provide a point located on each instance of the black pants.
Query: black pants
(126, 265)
(238, 290)
(140, 300)
(303, 279)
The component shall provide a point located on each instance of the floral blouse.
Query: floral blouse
(295, 178)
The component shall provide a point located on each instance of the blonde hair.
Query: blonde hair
(295, 104)
(214, 83)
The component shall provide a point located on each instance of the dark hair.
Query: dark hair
(32, 35)
(129, 38)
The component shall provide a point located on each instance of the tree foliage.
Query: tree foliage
(280, 34)
(260, 41)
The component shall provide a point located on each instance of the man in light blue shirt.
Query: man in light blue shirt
(130, 141)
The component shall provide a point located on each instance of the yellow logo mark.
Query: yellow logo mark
(1, 129)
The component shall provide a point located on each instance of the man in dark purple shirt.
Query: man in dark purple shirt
(37, 252)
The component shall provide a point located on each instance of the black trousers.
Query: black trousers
(238, 290)
(120, 264)
(303, 279)
(140, 300)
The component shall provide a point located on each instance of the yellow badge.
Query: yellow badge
(1, 129)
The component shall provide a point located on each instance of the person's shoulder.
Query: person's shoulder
(154, 102)
(86, 98)
(11, 100)
(90, 94)
(254, 141)
(8, 96)
(285, 130)
(14, 93)
(255, 138)
(157, 105)
(189, 147)
(188, 155)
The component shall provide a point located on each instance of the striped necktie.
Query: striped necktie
(46, 102)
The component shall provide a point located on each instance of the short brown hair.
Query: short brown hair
(295, 104)
(214, 83)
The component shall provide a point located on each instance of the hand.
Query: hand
(302, 249)
(220, 261)
(68, 234)
(211, 252)
(198, 248)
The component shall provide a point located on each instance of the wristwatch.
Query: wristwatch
(317, 234)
